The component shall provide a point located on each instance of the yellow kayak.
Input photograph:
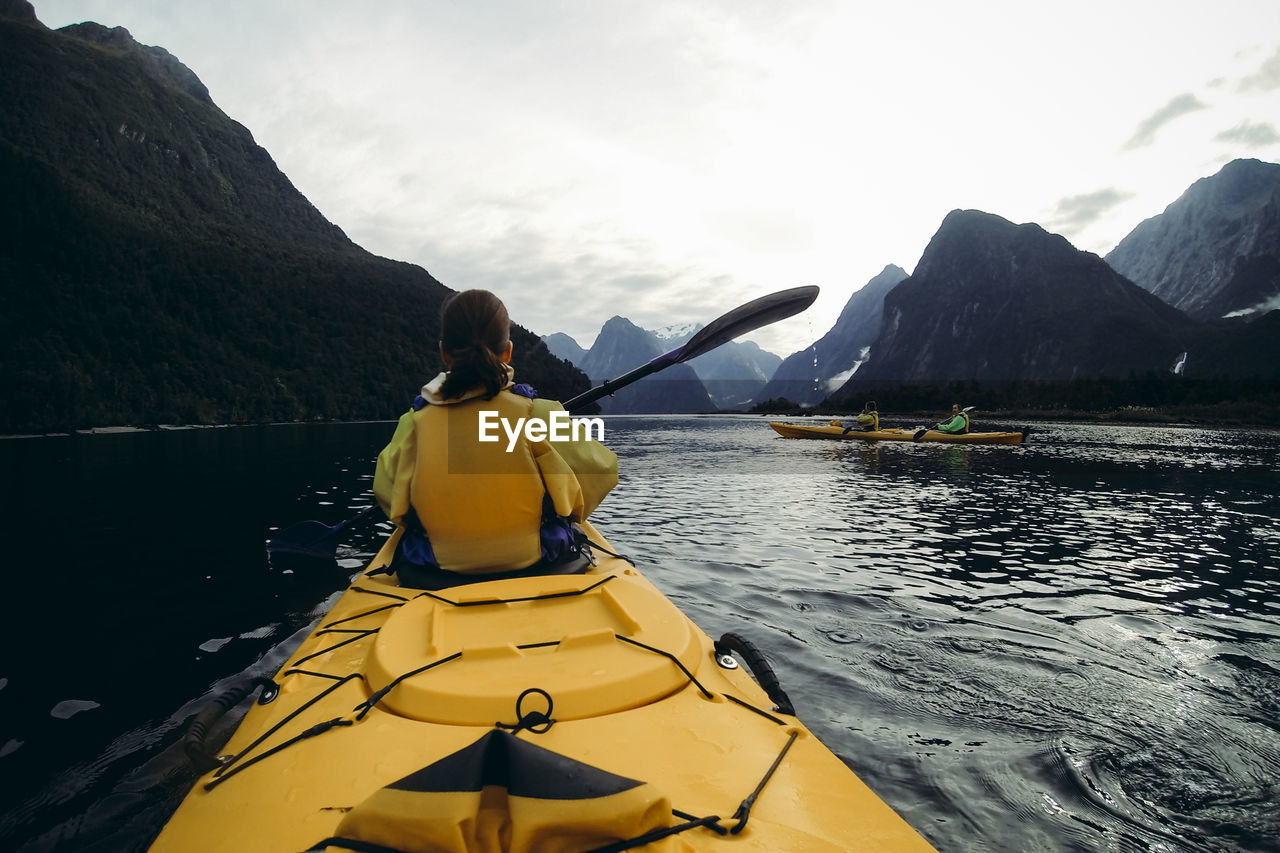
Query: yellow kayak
(564, 712)
(832, 431)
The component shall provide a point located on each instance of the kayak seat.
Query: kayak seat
(432, 579)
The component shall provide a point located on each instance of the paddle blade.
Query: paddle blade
(747, 318)
(313, 538)
(307, 539)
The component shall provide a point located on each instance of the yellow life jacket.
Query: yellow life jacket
(480, 503)
(869, 421)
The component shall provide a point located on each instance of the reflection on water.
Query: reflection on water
(1057, 646)
(1068, 645)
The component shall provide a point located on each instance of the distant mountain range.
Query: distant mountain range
(991, 300)
(734, 374)
(158, 267)
(725, 378)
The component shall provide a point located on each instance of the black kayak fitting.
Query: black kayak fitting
(732, 643)
(194, 742)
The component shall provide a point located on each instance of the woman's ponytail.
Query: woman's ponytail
(474, 332)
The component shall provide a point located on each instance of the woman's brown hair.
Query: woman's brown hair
(474, 332)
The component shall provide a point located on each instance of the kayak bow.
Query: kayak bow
(542, 713)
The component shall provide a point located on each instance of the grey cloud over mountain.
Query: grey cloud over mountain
(1147, 129)
(1075, 212)
(1266, 78)
(1250, 133)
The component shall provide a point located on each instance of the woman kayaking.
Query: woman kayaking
(463, 501)
(534, 712)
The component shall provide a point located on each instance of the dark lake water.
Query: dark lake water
(1065, 646)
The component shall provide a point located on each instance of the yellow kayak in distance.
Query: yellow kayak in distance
(566, 712)
(894, 434)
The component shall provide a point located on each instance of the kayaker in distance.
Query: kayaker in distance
(958, 424)
(473, 507)
(868, 419)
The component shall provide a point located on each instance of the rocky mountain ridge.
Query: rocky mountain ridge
(809, 376)
(160, 268)
(1215, 251)
(990, 300)
(166, 270)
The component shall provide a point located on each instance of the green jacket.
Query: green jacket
(958, 425)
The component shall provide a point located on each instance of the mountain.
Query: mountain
(991, 300)
(808, 376)
(1216, 250)
(622, 346)
(733, 373)
(563, 346)
(158, 266)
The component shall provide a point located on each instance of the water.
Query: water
(1064, 646)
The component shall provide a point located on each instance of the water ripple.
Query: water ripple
(1071, 645)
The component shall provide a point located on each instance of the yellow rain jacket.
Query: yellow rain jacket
(480, 503)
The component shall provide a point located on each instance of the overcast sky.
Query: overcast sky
(667, 161)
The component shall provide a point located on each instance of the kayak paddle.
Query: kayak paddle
(317, 540)
(739, 321)
(313, 538)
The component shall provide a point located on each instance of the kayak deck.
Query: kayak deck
(382, 707)
(894, 434)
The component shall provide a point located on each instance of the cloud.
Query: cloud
(1266, 78)
(1076, 212)
(551, 286)
(1272, 304)
(1253, 134)
(1147, 129)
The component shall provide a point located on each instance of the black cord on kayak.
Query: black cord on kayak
(353, 844)
(317, 729)
(623, 557)
(359, 635)
(223, 771)
(362, 615)
(480, 602)
(705, 692)
(753, 708)
(743, 814)
(378, 592)
(369, 704)
(691, 822)
(531, 720)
